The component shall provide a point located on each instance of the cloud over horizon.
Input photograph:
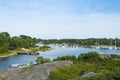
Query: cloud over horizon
(61, 18)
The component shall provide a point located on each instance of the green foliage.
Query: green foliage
(11, 43)
(31, 63)
(72, 58)
(55, 75)
(25, 69)
(89, 57)
(4, 42)
(116, 75)
(84, 42)
(44, 48)
(105, 68)
(115, 56)
(41, 60)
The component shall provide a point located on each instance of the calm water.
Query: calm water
(58, 51)
(75, 51)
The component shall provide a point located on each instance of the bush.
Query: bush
(25, 69)
(4, 49)
(41, 60)
(106, 69)
(55, 75)
(72, 58)
(89, 57)
(31, 63)
(113, 56)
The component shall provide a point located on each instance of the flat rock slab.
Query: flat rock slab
(37, 72)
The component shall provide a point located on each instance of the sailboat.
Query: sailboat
(98, 47)
(115, 47)
(110, 47)
(115, 44)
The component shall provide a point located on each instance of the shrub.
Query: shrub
(72, 58)
(89, 57)
(25, 69)
(55, 75)
(31, 63)
(41, 60)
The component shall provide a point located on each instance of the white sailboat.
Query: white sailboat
(110, 47)
(115, 44)
(116, 48)
(98, 45)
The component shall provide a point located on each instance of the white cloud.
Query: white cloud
(50, 20)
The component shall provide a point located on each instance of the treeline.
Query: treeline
(85, 42)
(104, 68)
(10, 43)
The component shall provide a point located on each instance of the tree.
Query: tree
(4, 42)
(89, 57)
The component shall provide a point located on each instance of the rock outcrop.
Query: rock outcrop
(89, 74)
(36, 72)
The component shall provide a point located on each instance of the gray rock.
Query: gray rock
(37, 72)
(89, 74)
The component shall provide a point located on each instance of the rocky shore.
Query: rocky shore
(36, 72)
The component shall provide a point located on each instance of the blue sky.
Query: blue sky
(58, 19)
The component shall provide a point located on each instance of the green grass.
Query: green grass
(44, 48)
(25, 69)
(9, 53)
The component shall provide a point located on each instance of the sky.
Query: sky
(58, 19)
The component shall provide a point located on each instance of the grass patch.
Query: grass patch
(9, 53)
(25, 69)
(43, 48)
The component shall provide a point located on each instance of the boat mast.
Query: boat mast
(110, 47)
(115, 44)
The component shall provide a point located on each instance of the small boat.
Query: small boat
(110, 47)
(63, 46)
(98, 47)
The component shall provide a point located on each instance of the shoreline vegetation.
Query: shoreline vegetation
(87, 66)
(10, 45)
(32, 49)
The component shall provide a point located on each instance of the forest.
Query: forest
(85, 42)
(11, 43)
(23, 41)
